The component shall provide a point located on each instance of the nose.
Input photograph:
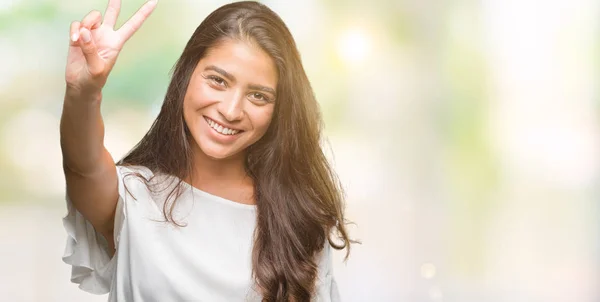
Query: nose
(232, 107)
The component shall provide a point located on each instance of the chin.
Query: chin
(218, 156)
(219, 153)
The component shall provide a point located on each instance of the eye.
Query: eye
(217, 80)
(259, 97)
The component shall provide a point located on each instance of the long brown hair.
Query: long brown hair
(299, 198)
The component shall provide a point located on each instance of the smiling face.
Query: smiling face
(229, 101)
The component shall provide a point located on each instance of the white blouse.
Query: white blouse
(209, 259)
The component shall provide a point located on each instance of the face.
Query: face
(230, 99)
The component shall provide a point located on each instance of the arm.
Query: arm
(90, 172)
(89, 169)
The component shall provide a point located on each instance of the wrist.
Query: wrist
(83, 96)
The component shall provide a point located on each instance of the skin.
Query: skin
(233, 85)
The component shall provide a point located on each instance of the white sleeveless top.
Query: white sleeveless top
(209, 259)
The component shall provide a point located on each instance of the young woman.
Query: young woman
(228, 197)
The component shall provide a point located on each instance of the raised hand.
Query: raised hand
(95, 46)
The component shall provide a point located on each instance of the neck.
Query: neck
(226, 178)
(211, 172)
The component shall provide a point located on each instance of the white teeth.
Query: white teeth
(221, 129)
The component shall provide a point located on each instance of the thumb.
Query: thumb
(95, 63)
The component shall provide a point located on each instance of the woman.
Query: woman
(228, 197)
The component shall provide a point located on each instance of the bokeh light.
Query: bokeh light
(466, 135)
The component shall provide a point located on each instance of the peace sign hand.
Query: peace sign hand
(95, 45)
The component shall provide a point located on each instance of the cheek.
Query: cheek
(199, 95)
(263, 118)
(196, 98)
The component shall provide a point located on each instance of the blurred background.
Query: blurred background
(466, 134)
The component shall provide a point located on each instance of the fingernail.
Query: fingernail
(74, 37)
(85, 36)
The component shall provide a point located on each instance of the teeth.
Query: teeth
(221, 129)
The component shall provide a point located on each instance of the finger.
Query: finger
(88, 47)
(135, 22)
(74, 32)
(112, 12)
(92, 20)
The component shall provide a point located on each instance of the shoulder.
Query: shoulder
(140, 181)
(324, 261)
(125, 170)
(326, 286)
(325, 256)
(134, 180)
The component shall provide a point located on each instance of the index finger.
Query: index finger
(135, 22)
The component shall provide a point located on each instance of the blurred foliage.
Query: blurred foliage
(413, 113)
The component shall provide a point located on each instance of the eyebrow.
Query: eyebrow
(262, 88)
(230, 77)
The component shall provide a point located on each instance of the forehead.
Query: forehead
(246, 61)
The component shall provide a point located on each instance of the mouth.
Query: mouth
(222, 129)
